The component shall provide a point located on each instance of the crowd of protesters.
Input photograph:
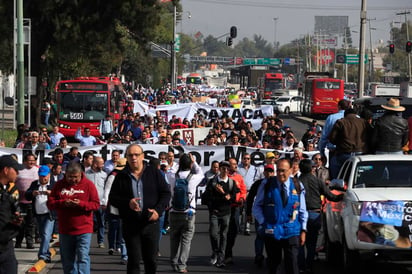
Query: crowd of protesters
(53, 186)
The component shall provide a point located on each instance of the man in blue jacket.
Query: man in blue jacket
(280, 210)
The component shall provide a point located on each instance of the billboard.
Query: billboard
(331, 25)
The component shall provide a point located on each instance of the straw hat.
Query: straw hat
(121, 163)
(394, 105)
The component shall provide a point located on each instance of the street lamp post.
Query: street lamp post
(407, 39)
(361, 67)
(275, 43)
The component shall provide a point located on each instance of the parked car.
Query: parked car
(288, 104)
(270, 102)
(375, 214)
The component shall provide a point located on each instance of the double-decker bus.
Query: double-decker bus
(321, 94)
(85, 101)
(270, 83)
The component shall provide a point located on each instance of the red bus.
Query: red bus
(85, 101)
(321, 95)
(271, 83)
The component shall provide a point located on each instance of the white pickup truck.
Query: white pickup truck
(375, 215)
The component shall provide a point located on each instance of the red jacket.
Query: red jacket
(74, 220)
(240, 183)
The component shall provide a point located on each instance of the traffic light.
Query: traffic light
(233, 32)
(408, 46)
(392, 48)
(229, 41)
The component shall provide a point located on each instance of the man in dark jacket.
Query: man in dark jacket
(222, 191)
(351, 135)
(9, 219)
(314, 188)
(141, 194)
(391, 130)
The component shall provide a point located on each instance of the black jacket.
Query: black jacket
(390, 133)
(8, 207)
(156, 195)
(218, 205)
(314, 187)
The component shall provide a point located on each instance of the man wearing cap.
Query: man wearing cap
(314, 188)
(38, 192)
(268, 171)
(9, 214)
(391, 131)
(223, 192)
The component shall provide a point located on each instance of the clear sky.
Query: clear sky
(295, 18)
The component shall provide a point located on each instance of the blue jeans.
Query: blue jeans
(46, 225)
(115, 235)
(74, 250)
(100, 216)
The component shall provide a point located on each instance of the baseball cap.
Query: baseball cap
(164, 163)
(9, 161)
(272, 167)
(270, 155)
(44, 170)
(224, 164)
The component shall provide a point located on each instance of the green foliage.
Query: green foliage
(9, 137)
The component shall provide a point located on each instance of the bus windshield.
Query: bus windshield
(82, 106)
(82, 86)
(328, 85)
(273, 85)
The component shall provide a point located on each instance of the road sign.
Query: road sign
(354, 59)
(177, 42)
(261, 61)
(341, 58)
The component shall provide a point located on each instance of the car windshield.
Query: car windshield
(383, 174)
(283, 99)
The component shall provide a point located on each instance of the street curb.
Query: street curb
(41, 264)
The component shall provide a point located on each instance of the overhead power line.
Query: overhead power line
(296, 5)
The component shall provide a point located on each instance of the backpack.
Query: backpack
(181, 201)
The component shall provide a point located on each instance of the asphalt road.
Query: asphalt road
(243, 257)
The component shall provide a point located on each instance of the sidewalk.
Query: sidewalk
(28, 262)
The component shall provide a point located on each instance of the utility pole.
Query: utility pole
(20, 63)
(407, 39)
(173, 52)
(371, 67)
(275, 43)
(361, 67)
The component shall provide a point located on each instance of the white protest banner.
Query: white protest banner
(188, 110)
